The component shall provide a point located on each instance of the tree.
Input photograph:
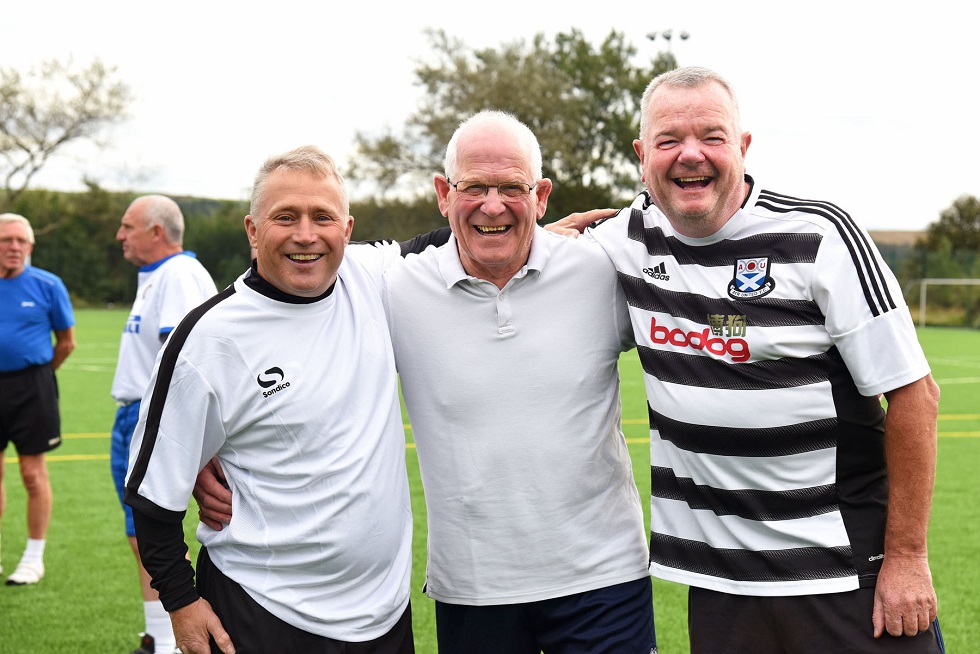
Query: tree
(54, 104)
(215, 231)
(582, 102)
(951, 249)
(959, 224)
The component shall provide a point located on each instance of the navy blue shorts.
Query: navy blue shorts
(808, 624)
(29, 416)
(122, 434)
(612, 620)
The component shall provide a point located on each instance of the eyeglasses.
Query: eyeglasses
(504, 189)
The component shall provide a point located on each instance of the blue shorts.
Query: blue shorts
(122, 433)
(616, 619)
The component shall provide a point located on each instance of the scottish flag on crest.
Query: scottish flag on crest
(752, 279)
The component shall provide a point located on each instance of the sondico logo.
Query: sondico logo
(736, 348)
(272, 377)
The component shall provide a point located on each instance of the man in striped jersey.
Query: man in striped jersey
(794, 506)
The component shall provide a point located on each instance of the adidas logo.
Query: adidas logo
(658, 272)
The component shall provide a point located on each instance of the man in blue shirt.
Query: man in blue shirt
(33, 304)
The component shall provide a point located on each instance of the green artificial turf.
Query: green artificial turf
(89, 600)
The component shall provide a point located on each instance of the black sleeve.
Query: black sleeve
(164, 555)
(418, 243)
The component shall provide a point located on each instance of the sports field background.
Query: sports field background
(89, 601)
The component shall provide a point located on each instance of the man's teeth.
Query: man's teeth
(488, 230)
(688, 180)
(304, 257)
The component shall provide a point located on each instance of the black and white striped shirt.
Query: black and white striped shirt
(764, 347)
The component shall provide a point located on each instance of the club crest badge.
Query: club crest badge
(752, 279)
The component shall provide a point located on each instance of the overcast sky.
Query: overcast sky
(872, 105)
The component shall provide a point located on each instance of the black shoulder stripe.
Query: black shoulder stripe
(781, 247)
(861, 250)
(162, 386)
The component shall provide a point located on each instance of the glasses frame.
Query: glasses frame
(487, 187)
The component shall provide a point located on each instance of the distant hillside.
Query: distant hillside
(894, 237)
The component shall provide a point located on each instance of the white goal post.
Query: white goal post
(937, 281)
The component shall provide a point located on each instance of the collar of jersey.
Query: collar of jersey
(150, 267)
(260, 285)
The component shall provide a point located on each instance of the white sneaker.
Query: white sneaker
(26, 573)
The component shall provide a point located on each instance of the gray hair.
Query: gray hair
(524, 135)
(17, 218)
(161, 210)
(308, 158)
(689, 77)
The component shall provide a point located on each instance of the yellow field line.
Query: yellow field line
(626, 421)
(411, 446)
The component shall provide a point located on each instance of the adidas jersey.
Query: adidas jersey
(764, 347)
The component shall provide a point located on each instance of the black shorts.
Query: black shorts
(254, 630)
(29, 415)
(808, 624)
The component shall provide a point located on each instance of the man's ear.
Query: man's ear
(250, 230)
(746, 141)
(442, 193)
(542, 190)
(350, 229)
(638, 149)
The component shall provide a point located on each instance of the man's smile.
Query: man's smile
(486, 229)
(693, 182)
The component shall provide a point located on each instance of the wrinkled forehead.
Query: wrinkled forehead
(292, 189)
(709, 102)
(14, 230)
(497, 154)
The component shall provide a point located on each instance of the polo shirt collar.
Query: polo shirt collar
(451, 268)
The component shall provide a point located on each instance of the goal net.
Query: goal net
(963, 301)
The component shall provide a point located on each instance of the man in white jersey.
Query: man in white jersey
(535, 539)
(782, 493)
(171, 282)
(288, 377)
